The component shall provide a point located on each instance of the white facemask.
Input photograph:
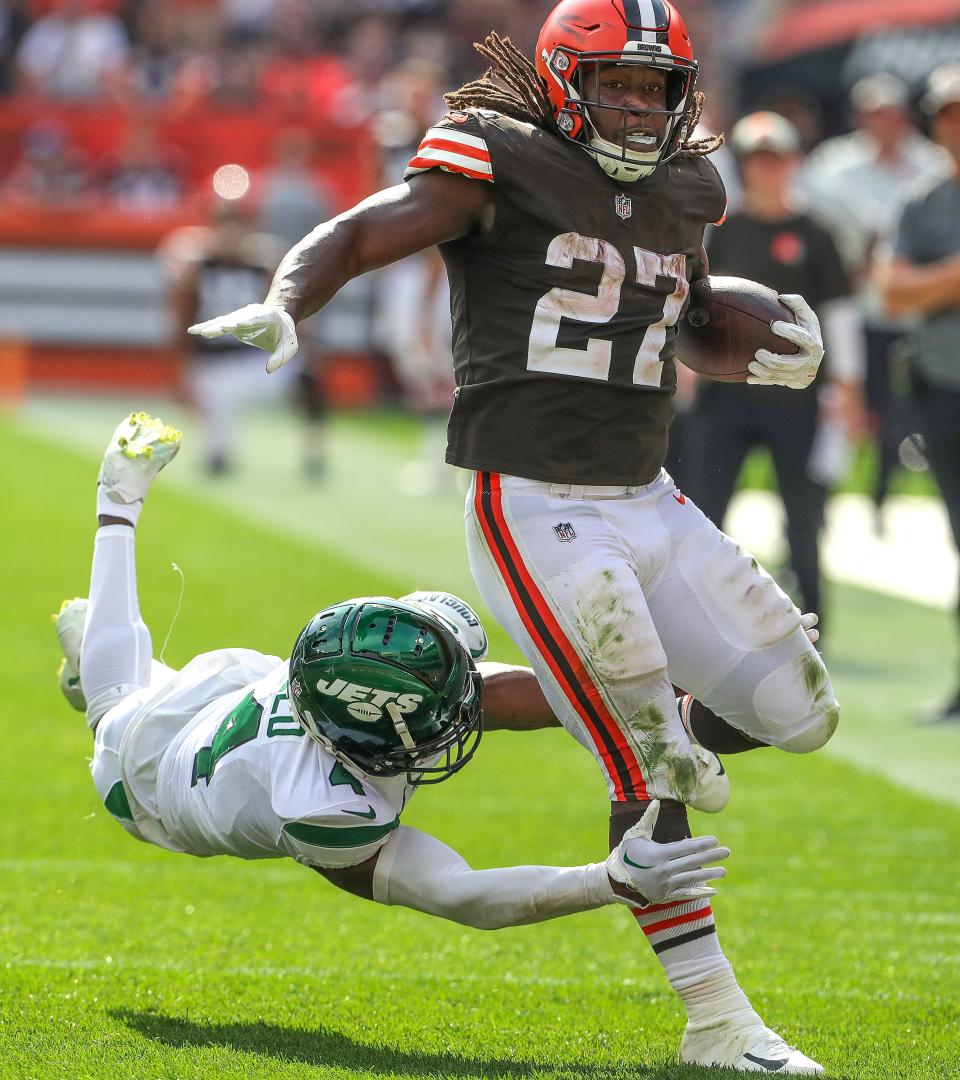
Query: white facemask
(627, 165)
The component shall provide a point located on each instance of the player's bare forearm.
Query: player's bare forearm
(388, 226)
(513, 700)
(908, 289)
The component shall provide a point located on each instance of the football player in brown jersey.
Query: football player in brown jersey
(569, 199)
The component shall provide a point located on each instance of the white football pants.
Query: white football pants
(615, 593)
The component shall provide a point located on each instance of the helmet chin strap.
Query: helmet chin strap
(635, 166)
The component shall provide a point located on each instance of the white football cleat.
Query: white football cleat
(68, 623)
(754, 1049)
(712, 792)
(139, 449)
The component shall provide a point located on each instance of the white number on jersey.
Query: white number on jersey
(543, 353)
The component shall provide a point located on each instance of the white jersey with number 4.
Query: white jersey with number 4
(210, 761)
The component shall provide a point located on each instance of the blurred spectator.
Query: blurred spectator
(72, 52)
(292, 200)
(801, 108)
(142, 176)
(13, 25)
(50, 170)
(237, 76)
(225, 263)
(292, 203)
(770, 241)
(157, 55)
(413, 298)
(854, 184)
(921, 278)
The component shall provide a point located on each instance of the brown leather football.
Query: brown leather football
(727, 320)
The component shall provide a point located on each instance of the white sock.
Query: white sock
(128, 511)
(684, 937)
(116, 654)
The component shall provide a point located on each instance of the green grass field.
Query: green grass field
(840, 912)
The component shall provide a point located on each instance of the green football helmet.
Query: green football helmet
(386, 687)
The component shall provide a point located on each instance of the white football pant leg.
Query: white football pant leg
(734, 638)
(577, 611)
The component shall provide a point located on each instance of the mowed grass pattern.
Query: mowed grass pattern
(118, 960)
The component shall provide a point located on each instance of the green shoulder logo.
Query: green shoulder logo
(368, 813)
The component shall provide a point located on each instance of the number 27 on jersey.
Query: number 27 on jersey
(593, 362)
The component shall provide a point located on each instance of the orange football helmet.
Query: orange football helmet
(578, 36)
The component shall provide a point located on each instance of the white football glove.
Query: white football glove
(809, 624)
(261, 325)
(660, 872)
(796, 370)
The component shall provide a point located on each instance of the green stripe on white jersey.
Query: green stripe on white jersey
(240, 777)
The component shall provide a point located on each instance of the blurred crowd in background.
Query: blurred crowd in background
(203, 137)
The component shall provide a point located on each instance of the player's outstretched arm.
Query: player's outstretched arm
(388, 226)
(513, 700)
(418, 871)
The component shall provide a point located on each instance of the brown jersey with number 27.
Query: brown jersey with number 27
(565, 311)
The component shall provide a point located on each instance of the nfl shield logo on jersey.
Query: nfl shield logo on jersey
(624, 205)
(565, 531)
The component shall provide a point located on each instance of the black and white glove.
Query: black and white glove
(261, 325)
(796, 370)
(664, 872)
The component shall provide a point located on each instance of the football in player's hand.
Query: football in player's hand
(727, 321)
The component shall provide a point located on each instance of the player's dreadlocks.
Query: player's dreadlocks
(699, 147)
(513, 86)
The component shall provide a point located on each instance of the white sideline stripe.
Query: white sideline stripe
(402, 975)
(455, 136)
(913, 560)
(448, 157)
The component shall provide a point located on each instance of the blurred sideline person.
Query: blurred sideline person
(227, 262)
(856, 184)
(290, 202)
(569, 199)
(769, 240)
(76, 51)
(920, 279)
(412, 325)
(244, 754)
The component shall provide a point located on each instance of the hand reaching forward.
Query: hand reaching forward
(261, 325)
